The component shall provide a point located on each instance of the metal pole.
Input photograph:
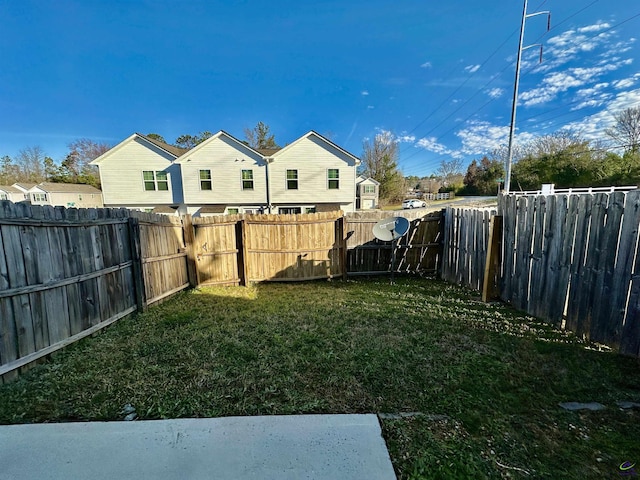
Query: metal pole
(507, 183)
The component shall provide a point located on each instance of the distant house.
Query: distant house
(24, 188)
(65, 195)
(223, 175)
(141, 173)
(11, 193)
(367, 193)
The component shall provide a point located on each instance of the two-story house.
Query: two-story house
(141, 173)
(367, 193)
(222, 175)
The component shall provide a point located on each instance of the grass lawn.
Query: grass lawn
(483, 381)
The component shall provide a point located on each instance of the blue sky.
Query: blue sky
(439, 75)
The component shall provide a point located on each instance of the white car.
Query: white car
(413, 203)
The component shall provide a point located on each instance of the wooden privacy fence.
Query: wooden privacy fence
(418, 251)
(466, 243)
(240, 249)
(67, 273)
(573, 260)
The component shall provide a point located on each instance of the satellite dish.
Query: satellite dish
(391, 228)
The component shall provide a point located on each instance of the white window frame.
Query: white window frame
(371, 188)
(155, 181)
(296, 179)
(329, 179)
(4, 196)
(39, 197)
(242, 179)
(205, 180)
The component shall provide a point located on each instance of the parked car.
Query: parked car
(413, 203)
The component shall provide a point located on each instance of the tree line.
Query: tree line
(562, 158)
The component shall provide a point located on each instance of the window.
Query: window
(39, 197)
(155, 180)
(333, 178)
(232, 211)
(4, 196)
(205, 179)
(247, 179)
(289, 210)
(79, 197)
(309, 209)
(368, 189)
(292, 179)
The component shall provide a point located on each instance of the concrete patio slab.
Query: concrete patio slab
(268, 447)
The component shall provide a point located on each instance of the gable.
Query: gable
(221, 146)
(314, 146)
(137, 145)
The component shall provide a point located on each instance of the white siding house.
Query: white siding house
(367, 193)
(11, 193)
(65, 195)
(141, 173)
(223, 175)
(312, 174)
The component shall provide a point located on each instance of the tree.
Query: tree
(76, 168)
(260, 137)
(8, 171)
(156, 137)
(30, 163)
(450, 173)
(626, 129)
(189, 141)
(380, 162)
(482, 178)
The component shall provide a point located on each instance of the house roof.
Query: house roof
(361, 179)
(165, 209)
(327, 207)
(213, 209)
(327, 141)
(221, 133)
(51, 187)
(10, 189)
(267, 152)
(23, 187)
(175, 152)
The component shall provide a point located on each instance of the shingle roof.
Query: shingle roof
(24, 185)
(165, 209)
(10, 189)
(51, 187)
(177, 151)
(212, 209)
(267, 151)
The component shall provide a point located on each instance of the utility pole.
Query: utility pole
(512, 127)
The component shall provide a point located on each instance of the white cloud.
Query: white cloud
(472, 68)
(370, 107)
(593, 126)
(594, 28)
(559, 82)
(496, 92)
(364, 93)
(426, 65)
(481, 137)
(406, 138)
(431, 144)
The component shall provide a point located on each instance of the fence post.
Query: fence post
(492, 264)
(341, 242)
(136, 259)
(241, 245)
(189, 244)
